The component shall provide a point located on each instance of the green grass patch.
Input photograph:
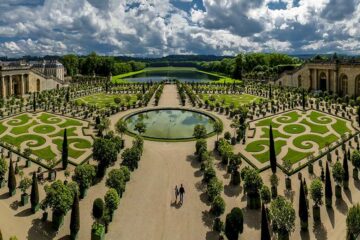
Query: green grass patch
(294, 156)
(2, 128)
(319, 118)
(309, 138)
(19, 120)
(44, 129)
(264, 157)
(36, 141)
(102, 100)
(22, 129)
(78, 143)
(276, 133)
(294, 129)
(69, 131)
(232, 99)
(70, 123)
(290, 117)
(321, 129)
(340, 127)
(44, 153)
(49, 118)
(266, 123)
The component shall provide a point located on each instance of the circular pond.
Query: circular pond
(169, 124)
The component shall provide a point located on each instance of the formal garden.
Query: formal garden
(256, 160)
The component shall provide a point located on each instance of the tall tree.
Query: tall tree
(237, 74)
(265, 232)
(353, 222)
(75, 218)
(328, 187)
(65, 151)
(272, 151)
(303, 208)
(358, 114)
(346, 171)
(234, 224)
(303, 99)
(34, 196)
(11, 180)
(270, 92)
(34, 102)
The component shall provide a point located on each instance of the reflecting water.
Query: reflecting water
(170, 123)
(183, 75)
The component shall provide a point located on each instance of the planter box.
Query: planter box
(24, 199)
(57, 220)
(28, 163)
(99, 233)
(35, 208)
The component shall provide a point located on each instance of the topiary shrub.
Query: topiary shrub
(98, 209)
(217, 206)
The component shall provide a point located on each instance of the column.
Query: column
(22, 85)
(3, 89)
(11, 92)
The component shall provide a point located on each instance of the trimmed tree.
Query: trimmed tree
(303, 99)
(98, 209)
(116, 180)
(60, 198)
(75, 218)
(353, 222)
(355, 159)
(199, 131)
(252, 184)
(303, 208)
(218, 129)
(11, 180)
(34, 195)
(65, 151)
(316, 193)
(112, 201)
(234, 224)
(3, 170)
(272, 151)
(265, 231)
(283, 217)
(338, 175)
(346, 171)
(84, 176)
(105, 152)
(328, 187)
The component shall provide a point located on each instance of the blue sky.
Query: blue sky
(162, 27)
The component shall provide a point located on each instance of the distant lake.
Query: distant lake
(181, 75)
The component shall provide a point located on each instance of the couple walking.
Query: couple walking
(179, 191)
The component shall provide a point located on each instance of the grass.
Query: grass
(44, 153)
(324, 129)
(44, 129)
(294, 128)
(23, 129)
(44, 124)
(102, 100)
(227, 100)
(36, 141)
(19, 120)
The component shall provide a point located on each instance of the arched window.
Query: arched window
(38, 85)
(299, 81)
(344, 84)
(357, 85)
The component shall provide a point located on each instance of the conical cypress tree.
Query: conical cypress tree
(75, 218)
(346, 172)
(265, 232)
(270, 93)
(272, 151)
(34, 102)
(303, 208)
(11, 180)
(328, 187)
(65, 151)
(34, 196)
(303, 99)
(358, 113)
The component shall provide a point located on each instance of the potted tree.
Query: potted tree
(24, 185)
(338, 175)
(84, 176)
(355, 159)
(27, 153)
(316, 190)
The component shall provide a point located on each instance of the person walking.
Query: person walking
(176, 193)
(182, 192)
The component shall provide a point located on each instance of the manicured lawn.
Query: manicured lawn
(44, 126)
(324, 130)
(102, 100)
(227, 100)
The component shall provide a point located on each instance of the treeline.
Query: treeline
(251, 64)
(100, 65)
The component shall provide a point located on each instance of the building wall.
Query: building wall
(343, 79)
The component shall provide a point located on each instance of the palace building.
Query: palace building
(340, 77)
(21, 78)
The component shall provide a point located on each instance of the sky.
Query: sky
(155, 28)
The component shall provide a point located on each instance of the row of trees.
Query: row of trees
(100, 65)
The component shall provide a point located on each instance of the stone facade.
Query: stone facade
(21, 79)
(335, 77)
